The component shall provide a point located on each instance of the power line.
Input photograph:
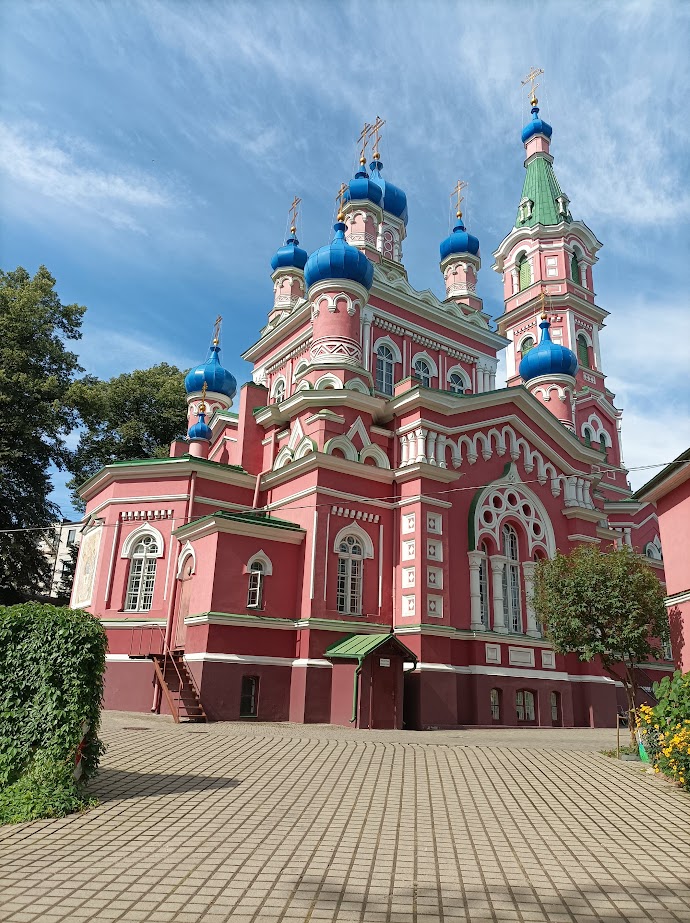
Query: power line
(311, 506)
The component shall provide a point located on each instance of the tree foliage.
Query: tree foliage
(36, 370)
(134, 415)
(606, 606)
(51, 663)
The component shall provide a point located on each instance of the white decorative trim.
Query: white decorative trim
(111, 624)
(187, 550)
(261, 558)
(137, 515)
(459, 370)
(391, 344)
(507, 673)
(427, 358)
(207, 657)
(493, 653)
(548, 660)
(521, 656)
(364, 537)
(354, 514)
(682, 597)
(138, 533)
(329, 381)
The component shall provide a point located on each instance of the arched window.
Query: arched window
(495, 699)
(349, 592)
(457, 385)
(582, 352)
(385, 364)
(527, 344)
(512, 609)
(255, 591)
(588, 435)
(602, 444)
(524, 272)
(575, 274)
(142, 575)
(524, 705)
(423, 372)
(279, 392)
(484, 587)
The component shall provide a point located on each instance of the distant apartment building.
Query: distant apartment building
(57, 548)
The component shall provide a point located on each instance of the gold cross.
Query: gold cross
(375, 131)
(339, 200)
(293, 217)
(216, 330)
(543, 303)
(363, 140)
(532, 76)
(459, 186)
(202, 405)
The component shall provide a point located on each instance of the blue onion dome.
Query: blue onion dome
(361, 188)
(212, 374)
(536, 127)
(459, 241)
(394, 199)
(201, 429)
(290, 255)
(547, 358)
(339, 260)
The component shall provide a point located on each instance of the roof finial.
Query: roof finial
(293, 216)
(339, 199)
(202, 405)
(531, 77)
(363, 141)
(216, 330)
(376, 131)
(459, 186)
(543, 303)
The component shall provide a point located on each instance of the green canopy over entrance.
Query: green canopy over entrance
(357, 647)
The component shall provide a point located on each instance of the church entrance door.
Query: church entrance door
(183, 601)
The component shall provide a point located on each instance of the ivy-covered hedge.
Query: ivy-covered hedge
(666, 728)
(51, 686)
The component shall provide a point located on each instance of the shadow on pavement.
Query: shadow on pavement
(118, 784)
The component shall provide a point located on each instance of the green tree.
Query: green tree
(36, 370)
(609, 606)
(134, 415)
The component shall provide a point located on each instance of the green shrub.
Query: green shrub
(666, 728)
(51, 686)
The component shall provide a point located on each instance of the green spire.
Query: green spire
(548, 203)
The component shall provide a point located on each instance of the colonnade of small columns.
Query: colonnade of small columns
(498, 564)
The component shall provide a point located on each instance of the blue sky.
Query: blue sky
(149, 152)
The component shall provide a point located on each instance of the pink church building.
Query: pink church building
(352, 537)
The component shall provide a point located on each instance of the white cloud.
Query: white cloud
(62, 169)
(107, 352)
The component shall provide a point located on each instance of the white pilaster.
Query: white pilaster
(528, 574)
(476, 623)
(497, 566)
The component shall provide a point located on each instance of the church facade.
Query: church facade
(353, 538)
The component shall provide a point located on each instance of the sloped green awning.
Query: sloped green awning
(357, 647)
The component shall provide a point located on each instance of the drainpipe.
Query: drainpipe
(355, 692)
(173, 592)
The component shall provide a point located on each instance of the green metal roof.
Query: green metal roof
(541, 187)
(258, 518)
(357, 647)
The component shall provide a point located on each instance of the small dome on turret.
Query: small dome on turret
(394, 199)
(201, 429)
(212, 374)
(536, 127)
(290, 255)
(361, 188)
(459, 241)
(339, 260)
(547, 357)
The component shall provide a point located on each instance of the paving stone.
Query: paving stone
(250, 824)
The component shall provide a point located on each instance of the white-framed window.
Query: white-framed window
(385, 366)
(512, 609)
(456, 383)
(350, 567)
(484, 587)
(279, 391)
(555, 702)
(142, 574)
(71, 536)
(495, 700)
(526, 345)
(524, 705)
(255, 590)
(423, 372)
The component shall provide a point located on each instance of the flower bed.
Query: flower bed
(665, 728)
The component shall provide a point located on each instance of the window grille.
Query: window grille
(249, 697)
(349, 588)
(279, 393)
(511, 581)
(385, 364)
(423, 371)
(524, 705)
(555, 707)
(495, 698)
(142, 575)
(457, 385)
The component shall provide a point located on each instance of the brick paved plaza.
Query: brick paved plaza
(271, 823)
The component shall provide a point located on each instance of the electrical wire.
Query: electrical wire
(386, 499)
